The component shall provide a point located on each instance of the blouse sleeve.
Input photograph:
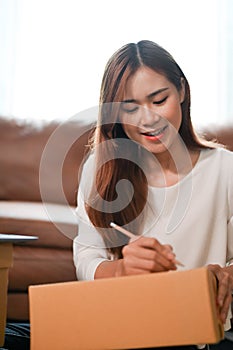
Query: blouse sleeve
(230, 216)
(227, 325)
(230, 242)
(88, 248)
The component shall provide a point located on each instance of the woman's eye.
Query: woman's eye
(160, 101)
(130, 110)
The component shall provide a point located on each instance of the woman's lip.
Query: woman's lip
(159, 132)
(154, 138)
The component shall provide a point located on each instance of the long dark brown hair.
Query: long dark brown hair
(122, 65)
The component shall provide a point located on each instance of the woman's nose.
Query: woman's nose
(148, 117)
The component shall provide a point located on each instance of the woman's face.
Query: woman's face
(151, 110)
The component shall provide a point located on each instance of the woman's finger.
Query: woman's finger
(154, 244)
(225, 308)
(148, 254)
(225, 284)
(148, 266)
(223, 288)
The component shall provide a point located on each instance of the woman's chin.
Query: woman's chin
(157, 148)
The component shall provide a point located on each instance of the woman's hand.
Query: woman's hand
(225, 287)
(146, 255)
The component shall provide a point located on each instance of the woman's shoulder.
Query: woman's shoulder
(87, 165)
(218, 158)
(218, 153)
(86, 173)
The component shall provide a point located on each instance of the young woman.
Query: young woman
(149, 173)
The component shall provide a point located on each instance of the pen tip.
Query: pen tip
(112, 224)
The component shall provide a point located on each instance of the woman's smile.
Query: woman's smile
(155, 135)
(151, 112)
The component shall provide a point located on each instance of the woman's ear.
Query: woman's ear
(182, 90)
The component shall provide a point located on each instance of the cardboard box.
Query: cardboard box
(6, 252)
(161, 309)
(6, 260)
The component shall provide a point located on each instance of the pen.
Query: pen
(132, 235)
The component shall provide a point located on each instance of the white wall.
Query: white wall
(59, 48)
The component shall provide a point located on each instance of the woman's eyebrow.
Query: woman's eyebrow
(153, 94)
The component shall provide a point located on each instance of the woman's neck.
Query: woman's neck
(169, 167)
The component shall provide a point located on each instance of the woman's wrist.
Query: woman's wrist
(119, 268)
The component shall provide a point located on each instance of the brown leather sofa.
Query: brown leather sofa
(222, 134)
(40, 164)
(38, 187)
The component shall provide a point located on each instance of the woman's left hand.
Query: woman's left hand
(225, 287)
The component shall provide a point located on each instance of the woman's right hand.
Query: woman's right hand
(145, 255)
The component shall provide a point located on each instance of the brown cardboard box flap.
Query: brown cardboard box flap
(6, 255)
(161, 309)
(6, 258)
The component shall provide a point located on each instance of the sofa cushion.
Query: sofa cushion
(219, 133)
(36, 265)
(42, 157)
(17, 307)
(55, 225)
